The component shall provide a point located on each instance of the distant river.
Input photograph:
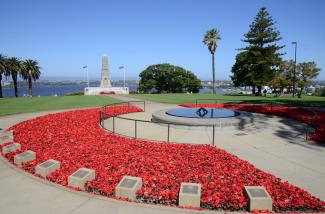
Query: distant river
(61, 90)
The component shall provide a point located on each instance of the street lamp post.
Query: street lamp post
(122, 67)
(294, 72)
(86, 67)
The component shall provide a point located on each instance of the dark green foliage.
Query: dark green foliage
(306, 71)
(168, 78)
(241, 73)
(258, 63)
(14, 66)
(3, 70)
(30, 71)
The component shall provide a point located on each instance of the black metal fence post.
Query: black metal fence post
(100, 118)
(113, 124)
(135, 129)
(213, 133)
(168, 132)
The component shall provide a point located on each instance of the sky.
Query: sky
(65, 35)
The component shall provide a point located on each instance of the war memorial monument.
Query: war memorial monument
(105, 83)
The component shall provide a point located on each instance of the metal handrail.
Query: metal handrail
(145, 121)
(168, 124)
(271, 104)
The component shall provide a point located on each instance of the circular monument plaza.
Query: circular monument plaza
(163, 157)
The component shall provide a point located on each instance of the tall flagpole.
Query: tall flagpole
(86, 66)
(122, 67)
(87, 76)
(124, 77)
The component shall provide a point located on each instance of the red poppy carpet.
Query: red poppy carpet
(76, 140)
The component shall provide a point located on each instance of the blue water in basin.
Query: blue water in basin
(202, 112)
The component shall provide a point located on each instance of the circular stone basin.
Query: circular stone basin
(190, 118)
(204, 113)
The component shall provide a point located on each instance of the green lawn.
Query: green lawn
(190, 98)
(25, 104)
(32, 104)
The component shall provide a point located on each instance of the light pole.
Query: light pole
(294, 72)
(86, 66)
(122, 67)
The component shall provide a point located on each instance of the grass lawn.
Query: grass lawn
(190, 98)
(32, 104)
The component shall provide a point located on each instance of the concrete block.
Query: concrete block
(24, 157)
(6, 139)
(79, 178)
(10, 148)
(128, 186)
(258, 198)
(47, 167)
(189, 195)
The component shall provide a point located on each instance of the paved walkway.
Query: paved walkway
(297, 161)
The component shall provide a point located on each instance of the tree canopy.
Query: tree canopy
(305, 72)
(258, 63)
(168, 78)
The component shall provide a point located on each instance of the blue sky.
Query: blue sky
(65, 35)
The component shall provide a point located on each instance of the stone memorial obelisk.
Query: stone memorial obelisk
(105, 82)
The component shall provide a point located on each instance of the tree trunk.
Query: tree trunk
(30, 93)
(213, 76)
(1, 86)
(259, 90)
(253, 89)
(300, 92)
(14, 79)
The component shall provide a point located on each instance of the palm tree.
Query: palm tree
(14, 66)
(31, 71)
(210, 39)
(3, 71)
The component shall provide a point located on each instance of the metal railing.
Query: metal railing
(131, 127)
(135, 126)
(311, 126)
